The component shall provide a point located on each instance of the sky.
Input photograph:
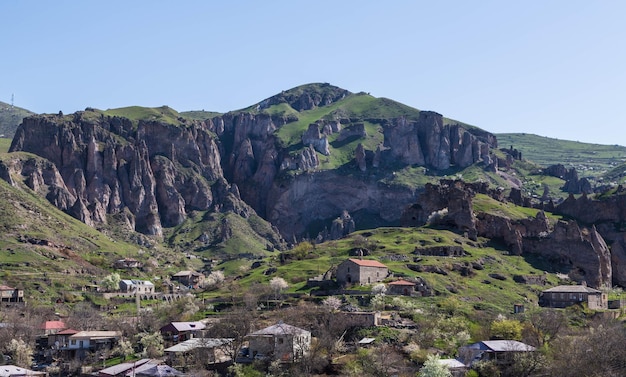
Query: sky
(552, 68)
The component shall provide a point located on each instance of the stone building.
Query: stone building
(280, 342)
(361, 271)
(567, 295)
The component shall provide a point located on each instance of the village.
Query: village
(268, 331)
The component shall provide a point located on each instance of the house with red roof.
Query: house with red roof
(52, 327)
(401, 287)
(361, 271)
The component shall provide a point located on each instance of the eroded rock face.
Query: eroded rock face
(429, 142)
(156, 171)
(582, 249)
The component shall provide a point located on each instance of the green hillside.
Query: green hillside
(588, 159)
(10, 118)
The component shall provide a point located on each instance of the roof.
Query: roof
(187, 326)
(97, 334)
(155, 370)
(367, 262)
(502, 346)
(194, 343)
(122, 367)
(12, 370)
(279, 329)
(401, 282)
(53, 325)
(367, 340)
(452, 363)
(68, 332)
(186, 273)
(572, 289)
(6, 288)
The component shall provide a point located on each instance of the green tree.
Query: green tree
(433, 368)
(111, 282)
(509, 329)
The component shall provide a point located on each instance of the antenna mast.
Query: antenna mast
(12, 99)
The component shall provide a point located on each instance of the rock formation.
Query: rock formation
(580, 249)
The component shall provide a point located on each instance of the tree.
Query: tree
(214, 279)
(111, 282)
(21, 352)
(433, 368)
(278, 284)
(124, 349)
(503, 328)
(332, 303)
(152, 344)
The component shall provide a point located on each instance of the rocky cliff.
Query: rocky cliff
(156, 172)
(580, 250)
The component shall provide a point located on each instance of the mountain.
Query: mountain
(314, 162)
(10, 119)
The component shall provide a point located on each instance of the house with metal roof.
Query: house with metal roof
(282, 342)
(563, 296)
(361, 271)
(499, 351)
(180, 331)
(211, 350)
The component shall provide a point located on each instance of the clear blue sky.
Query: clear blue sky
(552, 68)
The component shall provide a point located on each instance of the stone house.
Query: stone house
(401, 287)
(361, 271)
(280, 342)
(136, 286)
(567, 295)
(190, 279)
(210, 350)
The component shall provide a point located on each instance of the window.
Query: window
(73, 342)
(281, 340)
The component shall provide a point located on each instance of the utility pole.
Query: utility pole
(12, 99)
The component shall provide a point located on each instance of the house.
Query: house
(361, 271)
(499, 351)
(127, 263)
(211, 350)
(180, 331)
(136, 286)
(52, 327)
(567, 295)
(13, 371)
(279, 342)
(401, 287)
(83, 342)
(190, 279)
(11, 295)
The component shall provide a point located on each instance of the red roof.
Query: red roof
(6, 288)
(68, 332)
(401, 282)
(367, 263)
(53, 325)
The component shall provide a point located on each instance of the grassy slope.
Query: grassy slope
(588, 159)
(10, 118)
(478, 292)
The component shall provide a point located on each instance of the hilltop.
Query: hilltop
(10, 118)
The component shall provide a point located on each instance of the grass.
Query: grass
(136, 113)
(590, 160)
(478, 292)
(5, 144)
